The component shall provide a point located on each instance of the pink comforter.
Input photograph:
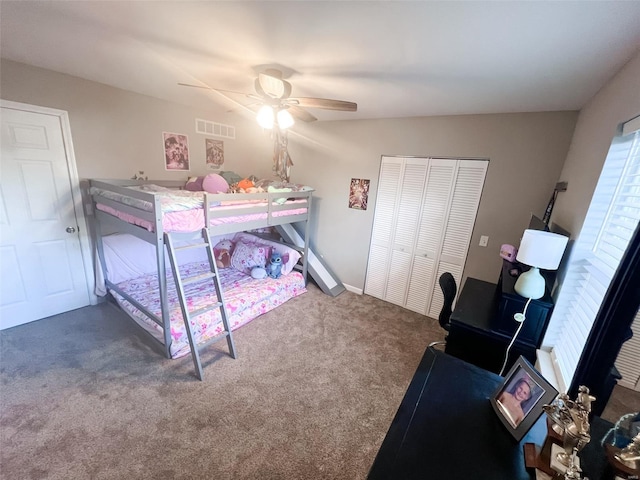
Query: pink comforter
(193, 220)
(246, 298)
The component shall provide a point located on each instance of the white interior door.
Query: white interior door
(41, 263)
(435, 208)
(383, 227)
(461, 217)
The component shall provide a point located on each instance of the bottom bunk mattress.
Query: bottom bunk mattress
(246, 298)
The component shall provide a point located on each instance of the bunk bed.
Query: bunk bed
(127, 212)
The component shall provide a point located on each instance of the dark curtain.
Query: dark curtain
(612, 327)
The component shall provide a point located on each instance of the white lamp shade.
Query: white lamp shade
(541, 249)
(285, 120)
(265, 117)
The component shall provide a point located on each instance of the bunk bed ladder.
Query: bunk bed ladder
(172, 249)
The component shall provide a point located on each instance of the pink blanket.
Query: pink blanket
(193, 220)
(246, 298)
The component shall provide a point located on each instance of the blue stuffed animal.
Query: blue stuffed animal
(274, 269)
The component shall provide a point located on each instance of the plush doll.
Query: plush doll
(258, 273)
(194, 184)
(274, 269)
(214, 183)
(222, 253)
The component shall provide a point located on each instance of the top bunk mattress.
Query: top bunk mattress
(184, 211)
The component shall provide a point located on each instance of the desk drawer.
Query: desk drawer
(535, 324)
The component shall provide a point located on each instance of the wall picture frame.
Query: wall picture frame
(359, 193)
(214, 152)
(518, 401)
(176, 151)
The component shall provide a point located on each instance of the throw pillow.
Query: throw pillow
(214, 183)
(246, 256)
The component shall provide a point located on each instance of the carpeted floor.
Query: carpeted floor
(86, 395)
(316, 384)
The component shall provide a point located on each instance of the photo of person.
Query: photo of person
(359, 193)
(176, 151)
(215, 152)
(518, 398)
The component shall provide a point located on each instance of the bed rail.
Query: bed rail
(219, 210)
(261, 210)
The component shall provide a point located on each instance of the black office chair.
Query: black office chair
(449, 290)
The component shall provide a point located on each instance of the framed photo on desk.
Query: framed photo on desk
(518, 401)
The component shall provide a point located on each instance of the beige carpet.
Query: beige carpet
(312, 393)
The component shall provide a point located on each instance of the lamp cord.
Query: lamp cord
(520, 318)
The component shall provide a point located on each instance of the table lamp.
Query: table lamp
(538, 249)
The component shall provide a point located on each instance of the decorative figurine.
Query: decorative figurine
(630, 455)
(570, 421)
(585, 400)
(622, 446)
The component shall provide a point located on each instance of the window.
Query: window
(611, 220)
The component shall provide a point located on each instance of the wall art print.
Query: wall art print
(176, 151)
(215, 152)
(359, 193)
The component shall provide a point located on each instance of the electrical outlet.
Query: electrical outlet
(484, 241)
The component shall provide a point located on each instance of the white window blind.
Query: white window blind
(611, 220)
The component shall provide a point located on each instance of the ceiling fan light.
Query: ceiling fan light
(285, 120)
(265, 117)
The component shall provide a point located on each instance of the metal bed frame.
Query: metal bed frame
(106, 223)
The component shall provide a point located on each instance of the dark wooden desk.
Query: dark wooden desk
(482, 324)
(445, 428)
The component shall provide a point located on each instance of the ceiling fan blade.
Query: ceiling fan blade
(271, 84)
(301, 114)
(326, 103)
(205, 87)
(194, 86)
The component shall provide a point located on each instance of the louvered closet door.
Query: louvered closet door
(404, 235)
(468, 183)
(435, 206)
(383, 226)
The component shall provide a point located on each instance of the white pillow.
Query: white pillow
(128, 257)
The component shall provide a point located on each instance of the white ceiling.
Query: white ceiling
(395, 59)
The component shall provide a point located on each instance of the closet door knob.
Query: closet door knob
(71, 230)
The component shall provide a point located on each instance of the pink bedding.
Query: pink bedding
(193, 220)
(246, 298)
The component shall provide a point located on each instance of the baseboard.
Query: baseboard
(352, 289)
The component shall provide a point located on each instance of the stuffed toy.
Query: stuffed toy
(274, 268)
(194, 184)
(258, 273)
(222, 253)
(214, 183)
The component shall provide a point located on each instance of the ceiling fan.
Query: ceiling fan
(278, 109)
(274, 92)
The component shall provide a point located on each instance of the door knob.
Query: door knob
(71, 230)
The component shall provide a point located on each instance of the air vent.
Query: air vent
(217, 129)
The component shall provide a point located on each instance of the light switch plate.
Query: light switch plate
(484, 241)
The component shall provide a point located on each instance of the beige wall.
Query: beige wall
(617, 102)
(525, 151)
(116, 133)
